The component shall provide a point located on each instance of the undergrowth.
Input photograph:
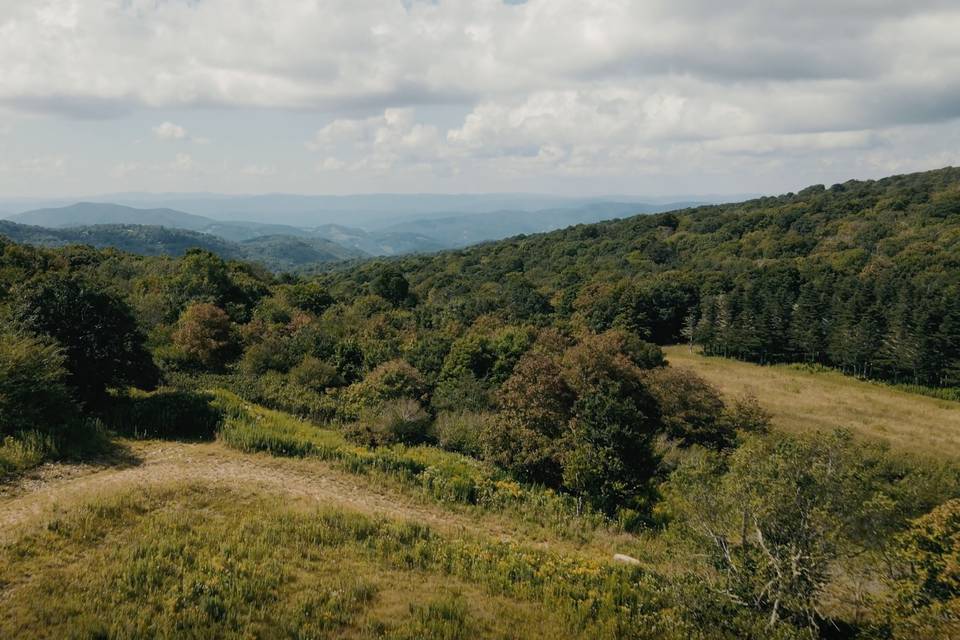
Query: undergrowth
(441, 475)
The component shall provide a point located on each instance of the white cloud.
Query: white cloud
(379, 143)
(182, 162)
(124, 169)
(169, 131)
(545, 87)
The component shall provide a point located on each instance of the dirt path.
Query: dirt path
(33, 497)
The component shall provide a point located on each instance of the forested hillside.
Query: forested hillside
(863, 276)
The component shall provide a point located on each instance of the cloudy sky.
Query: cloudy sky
(646, 97)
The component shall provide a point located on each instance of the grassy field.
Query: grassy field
(804, 400)
(187, 560)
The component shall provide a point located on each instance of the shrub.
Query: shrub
(528, 455)
(395, 421)
(391, 380)
(33, 395)
(462, 431)
(747, 416)
(82, 438)
(273, 354)
(164, 413)
(315, 374)
(779, 515)
(692, 410)
(276, 391)
(928, 590)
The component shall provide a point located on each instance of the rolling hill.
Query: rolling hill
(278, 252)
(490, 425)
(90, 213)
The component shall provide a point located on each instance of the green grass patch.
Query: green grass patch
(81, 439)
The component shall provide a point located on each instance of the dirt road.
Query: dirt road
(35, 496)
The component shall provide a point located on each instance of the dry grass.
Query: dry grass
(804, 401)
(188, 561)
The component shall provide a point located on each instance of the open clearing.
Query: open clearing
(804, 401)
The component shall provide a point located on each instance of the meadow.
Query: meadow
(804, 399)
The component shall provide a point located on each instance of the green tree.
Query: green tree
(928, 589)
(692, 410)
(535, 409)
(205, 336)
(100, 338)
(608, 452)
(779, 514)
(391, 285)
(309, 296)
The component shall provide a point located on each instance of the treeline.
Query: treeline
(869, 326)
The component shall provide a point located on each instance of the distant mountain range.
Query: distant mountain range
(354, 242)
(280, 246)
(463, 230)
(276, 252)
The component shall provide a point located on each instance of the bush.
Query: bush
(276, 391)
(273, 354)
(746, 415)
(391, 380)
(165, 413)
(315, 374)
(79, 439)
(205, 336)
(462, 431)
(33, 395)
(692, 410)
(392, 422)
(780, 514)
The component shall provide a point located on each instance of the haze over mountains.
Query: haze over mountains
(286, 231)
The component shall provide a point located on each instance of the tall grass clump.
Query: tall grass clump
(165, 413)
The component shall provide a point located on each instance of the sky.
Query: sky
(573, 97)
